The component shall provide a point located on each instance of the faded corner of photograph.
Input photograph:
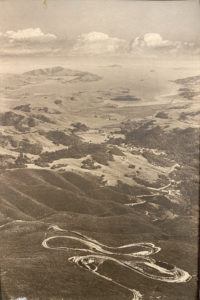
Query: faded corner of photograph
(99, 149)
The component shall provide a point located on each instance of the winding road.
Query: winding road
(134, 256)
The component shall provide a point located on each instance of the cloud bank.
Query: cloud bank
(33, 42)
(149, 44)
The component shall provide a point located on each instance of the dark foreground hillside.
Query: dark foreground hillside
(32, 200)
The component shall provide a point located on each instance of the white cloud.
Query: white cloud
(30, 41)
(98, 43)
(94, 36)
(153, 44)
(152, 41)
(29, 34)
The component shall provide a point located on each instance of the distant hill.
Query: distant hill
(60, 71)
(46, 71)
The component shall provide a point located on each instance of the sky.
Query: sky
(27, 27)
